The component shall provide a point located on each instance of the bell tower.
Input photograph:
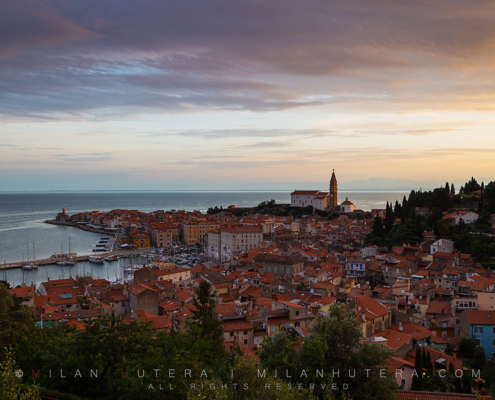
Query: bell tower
(332, 201)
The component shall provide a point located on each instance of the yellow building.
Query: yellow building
(141, 239)
(195, 232)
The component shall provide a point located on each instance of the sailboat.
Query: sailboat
(61, 262)
(69, 259)
(27, 265)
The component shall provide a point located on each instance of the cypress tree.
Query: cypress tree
(377, 227)
(452, 190)
(480, 203)
(429, 364)
(389, 218)
(447, 187)
(417, 382)
(466, 382)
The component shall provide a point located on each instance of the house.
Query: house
(356, 269)
(416, 395)
(402, 370)
(141, 239)
(347, 206)
(468, 217)
(443, 245)
(400, 343)
(238, 331)
(142, 297)
(372, 314)
(480, 326)
(439, 359)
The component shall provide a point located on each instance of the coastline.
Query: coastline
(85, 257)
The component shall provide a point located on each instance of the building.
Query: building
(347, 206)
(305, 198)
(161, 237)
(282, 265)
(238, 239)
(194, 232)
(333, 192)
(373, 315)
(141, 239)
(315, 198)
(442, 245)
(214, 244)
(480, 326)
(142, 297)
(468, 217)
(356, 269)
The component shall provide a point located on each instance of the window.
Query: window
(493, 330)
(478, 329)
(297, 324)
(231, 333)
(245, 342)
(403, 383)
(383, 317)
(275, 269)
(245, 332)
(493, 342)
(478, 342)
(273, 329)
(297, 313)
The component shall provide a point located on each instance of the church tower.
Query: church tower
(332, 200)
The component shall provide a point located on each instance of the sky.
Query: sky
(224, 94)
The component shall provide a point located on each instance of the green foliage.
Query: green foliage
(417, 382)
(10, 383)
(334, 345)
(279, 352)
(389, 218)
(471, 186)
(466, 347)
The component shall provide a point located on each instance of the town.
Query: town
(272, 274)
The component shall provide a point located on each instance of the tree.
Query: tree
(389, 218)
(466, 382)
(204, 306)
(417, 382)
(452, 190)
(9, 382)
(466, 347)
(447, 187)
(377, 227)
(334, 345)
(279, 352)
(482, 195)
(449, 350)
(429, 364)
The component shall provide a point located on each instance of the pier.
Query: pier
(51, 261)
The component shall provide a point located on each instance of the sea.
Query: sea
(24, 236)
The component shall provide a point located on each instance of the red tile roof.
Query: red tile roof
(480, 317)
(416, 395)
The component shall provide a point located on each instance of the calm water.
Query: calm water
(22, 216)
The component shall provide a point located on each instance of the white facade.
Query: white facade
(443, 245)
(305, 198)
(213, 244)
(237, 239)
(347, 206)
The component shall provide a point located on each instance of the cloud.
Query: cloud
(104, 60)
(83, 157)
